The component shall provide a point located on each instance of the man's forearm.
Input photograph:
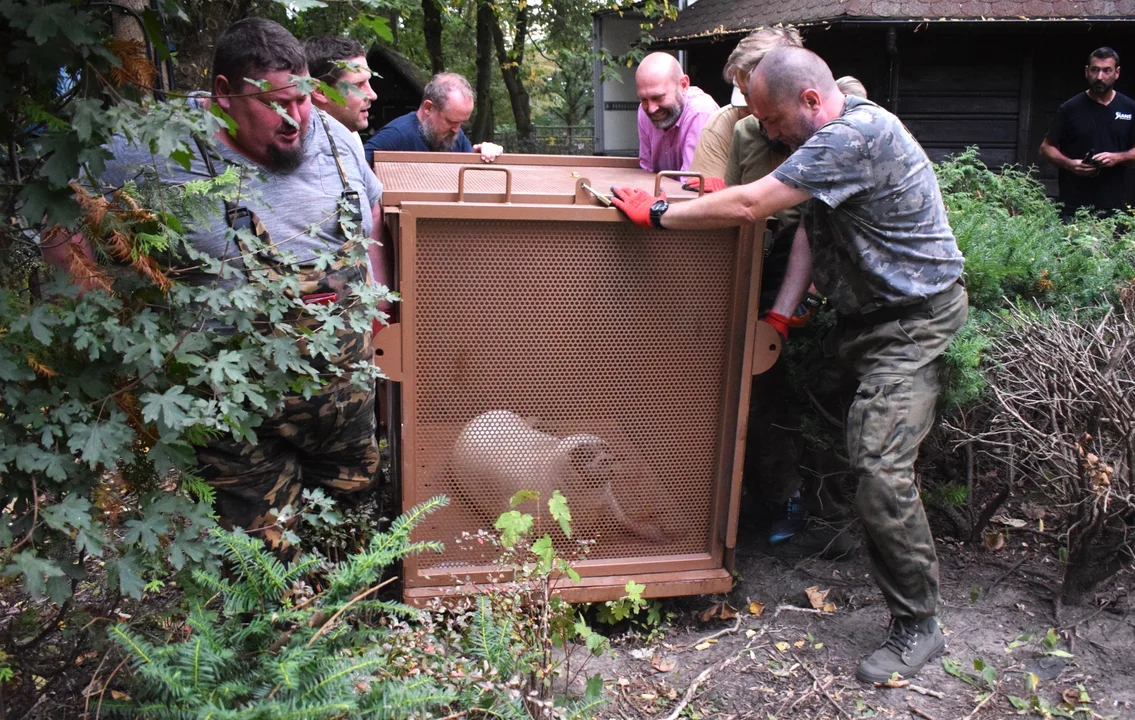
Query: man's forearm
(1052, 154)
(741, 205)
(797, 275)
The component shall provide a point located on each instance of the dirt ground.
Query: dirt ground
(792, 664)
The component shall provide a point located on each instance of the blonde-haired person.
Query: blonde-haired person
(849, 85)
(711, 156)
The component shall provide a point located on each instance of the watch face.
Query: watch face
(659, 206)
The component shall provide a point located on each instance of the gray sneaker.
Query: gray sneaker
(912, 644)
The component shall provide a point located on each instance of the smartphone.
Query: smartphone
(605, 200)
(1088, 158)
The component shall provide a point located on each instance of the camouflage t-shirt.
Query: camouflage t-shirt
(877, 226)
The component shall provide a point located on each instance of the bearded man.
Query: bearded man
(671, 114)
(1091, 138)
(447, 104)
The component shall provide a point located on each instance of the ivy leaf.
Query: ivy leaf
(182, 157)
(101, 444)
(146, 531)
(215, 109)
(56, 203)
(39, 321)
(170, 407)
(72, 511)
(634, 591)
(227, 365)
(90, 540)
(594, 688)
(187, 544)
(127, 573)
(35, 571)
(332, 94)
(63, 165)
(544, 550)
(380, 26)
(512, 525)
(557, 505)
(523, 496)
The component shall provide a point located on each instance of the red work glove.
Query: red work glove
(778, 322)
(712, 184)
(805, 310)
(635, 204)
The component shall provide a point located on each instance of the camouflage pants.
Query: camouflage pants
(896, 364)
(326, 441)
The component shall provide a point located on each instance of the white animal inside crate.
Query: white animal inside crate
(500, 453)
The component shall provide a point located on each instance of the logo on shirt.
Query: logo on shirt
(1122, 116)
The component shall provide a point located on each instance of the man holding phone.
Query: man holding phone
(1091, 138)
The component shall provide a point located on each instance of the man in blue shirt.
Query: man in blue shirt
(447, 103)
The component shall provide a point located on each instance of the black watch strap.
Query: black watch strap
(656, 212)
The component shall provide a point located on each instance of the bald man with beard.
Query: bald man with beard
(876, 241)
(671, 114)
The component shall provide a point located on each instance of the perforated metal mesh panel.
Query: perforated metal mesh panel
(560, 348)
(584, 357)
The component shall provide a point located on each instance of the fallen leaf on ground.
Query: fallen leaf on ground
(624, 682)
(118, 695)
(750, 633)
(648, 696)
(798, 644)
(816, 596)
(893, 683)
(665, 663)
(829, 607)
(782, 646)
(993, 540)
(702, 646)
(1013, 522)
(718, 610)
(756, 608)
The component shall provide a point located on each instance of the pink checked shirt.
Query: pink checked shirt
(673, 149)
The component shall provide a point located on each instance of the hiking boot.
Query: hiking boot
(826, 540)
(791, 521)
(911, 645)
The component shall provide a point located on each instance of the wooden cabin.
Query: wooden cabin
(974, 72)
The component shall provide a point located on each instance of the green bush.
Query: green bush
(258, 641)
(1018, 251)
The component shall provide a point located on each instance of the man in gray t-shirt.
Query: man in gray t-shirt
(877, 242)
(296, 173)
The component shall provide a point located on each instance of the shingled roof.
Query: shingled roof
(709, 18)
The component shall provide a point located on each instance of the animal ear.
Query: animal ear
(591, 458)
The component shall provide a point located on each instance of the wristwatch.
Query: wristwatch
(656, 211)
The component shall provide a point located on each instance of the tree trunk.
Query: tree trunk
(511, 63)
(483, 121)
(431, 27)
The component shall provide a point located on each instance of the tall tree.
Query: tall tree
(511, 63)
(431, 29)
(483, 122)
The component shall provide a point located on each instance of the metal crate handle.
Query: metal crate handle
(678, 174)
(507, 180)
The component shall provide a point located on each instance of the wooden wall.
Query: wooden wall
(992, 84)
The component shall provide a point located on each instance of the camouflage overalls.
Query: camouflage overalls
(327, 440)
(885, 257)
